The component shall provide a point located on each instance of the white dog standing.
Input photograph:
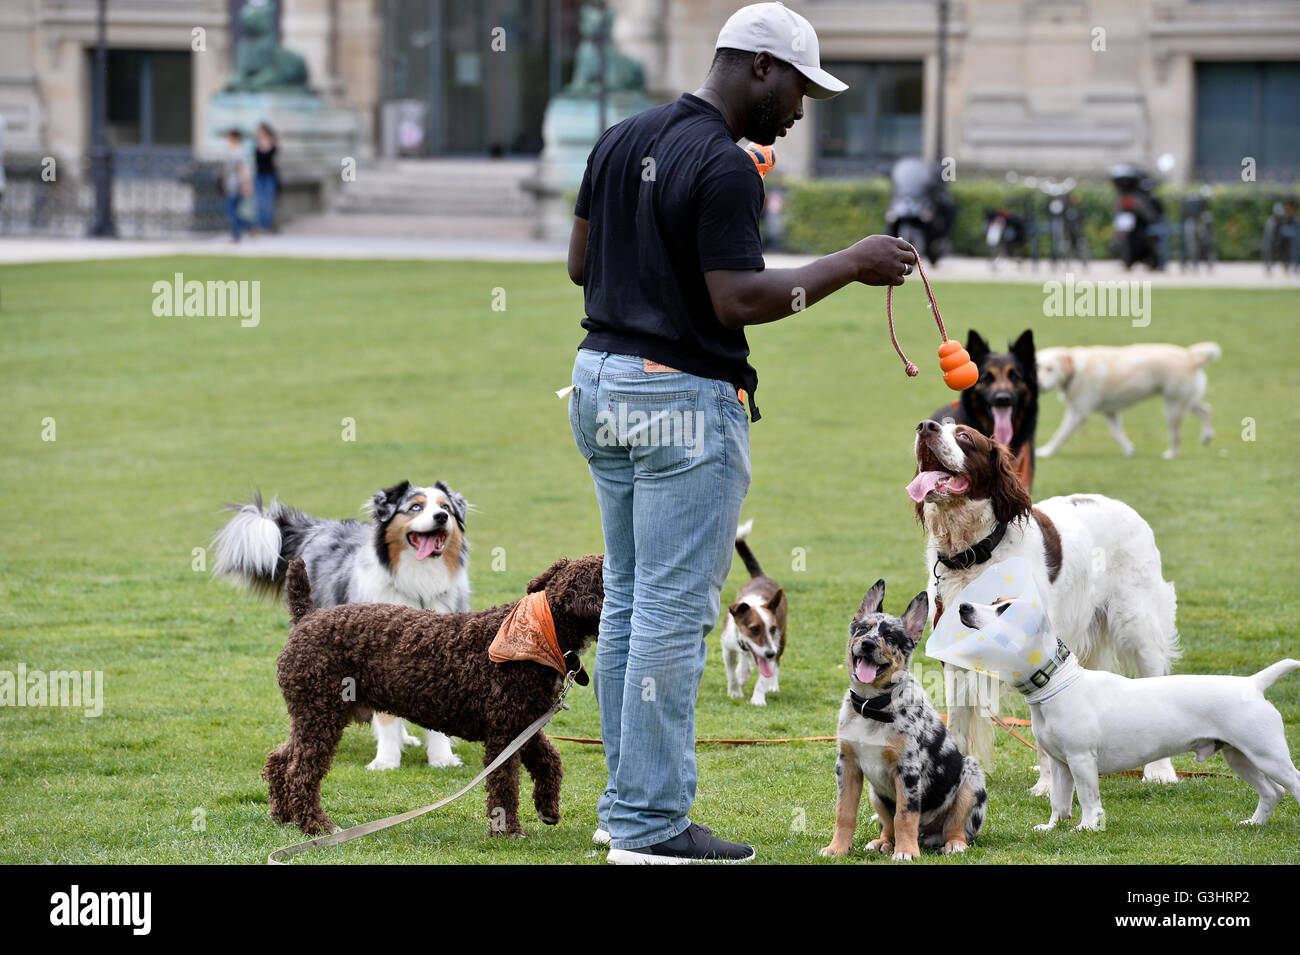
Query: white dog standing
(1106, 380)
(1091, 722)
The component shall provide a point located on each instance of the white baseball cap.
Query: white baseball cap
(773, 29)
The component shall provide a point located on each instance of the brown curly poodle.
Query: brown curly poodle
(432, 669)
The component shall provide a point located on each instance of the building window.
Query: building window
(872, 123)
(1248, 109)
(148, 100)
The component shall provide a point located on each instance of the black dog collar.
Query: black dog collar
(873, 708)
(977, 554)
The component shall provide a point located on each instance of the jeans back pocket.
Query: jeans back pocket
(661, 431)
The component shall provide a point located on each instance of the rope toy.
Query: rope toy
(959, 372)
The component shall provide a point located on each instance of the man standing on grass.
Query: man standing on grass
(666, 247)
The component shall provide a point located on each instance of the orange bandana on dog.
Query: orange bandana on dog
(528, 633)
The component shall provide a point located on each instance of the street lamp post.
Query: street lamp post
(101, 159)
(942, 80)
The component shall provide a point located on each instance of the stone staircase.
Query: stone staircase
(430, 198)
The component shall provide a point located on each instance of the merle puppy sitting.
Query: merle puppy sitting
(434, 669)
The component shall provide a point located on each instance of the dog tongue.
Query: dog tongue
(1002, 425)
(864, 672)
(924, 483)
(424, 545)
(764, 666)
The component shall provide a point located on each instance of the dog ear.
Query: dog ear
(776, 599)
(873, 601)
(541, 580)
(383, 505)
(742, 612)
(1008, 496)
(455, 503)
(1023, 350)
(976, 346)
(915, 616)
(1067, 367)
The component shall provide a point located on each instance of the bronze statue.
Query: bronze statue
(261, 63)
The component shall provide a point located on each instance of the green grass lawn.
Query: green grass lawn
(159, 421)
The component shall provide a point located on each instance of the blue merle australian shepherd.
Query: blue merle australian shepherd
(413, 552)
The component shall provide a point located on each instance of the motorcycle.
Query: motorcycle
(1199, 244)
(1065, 229)
(920, 211)
(1139, 218)
(1281, 238)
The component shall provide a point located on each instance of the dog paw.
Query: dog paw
(1045, 453)
(381, 762)
(880, 845)
(1252, 821)
(758, 701)
(1207, 437)
(953, 847)
(409, 740)
(1045, 826)
(1129, 452)
(835, 851)
(735, 694)
(1161, 772)
(1041, 788)
(1169, 454)
(445, 762)
(549, 818)
(901, 857)
(1098, 826)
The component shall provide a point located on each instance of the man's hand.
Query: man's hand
(881, 260)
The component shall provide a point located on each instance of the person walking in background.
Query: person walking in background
(266, 183)
(236, 183)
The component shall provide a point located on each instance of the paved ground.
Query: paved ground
(23, 250)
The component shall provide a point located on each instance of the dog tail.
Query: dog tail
(747, 555)
(256, 545)
(1203, 353)
(297, 591)
(1270, 675)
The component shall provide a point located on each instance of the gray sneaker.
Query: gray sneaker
(695, 843)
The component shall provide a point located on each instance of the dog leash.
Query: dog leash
(339, 836)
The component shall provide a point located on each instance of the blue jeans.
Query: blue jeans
(264, 188)
(669, 455)
(232, 213)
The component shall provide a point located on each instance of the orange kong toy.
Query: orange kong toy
(764, 157)
(959, 372)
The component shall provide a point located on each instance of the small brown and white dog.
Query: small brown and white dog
(754, 634)
(1095, 563)
(1105, 380)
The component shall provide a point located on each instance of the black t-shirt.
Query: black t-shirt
(669, 196)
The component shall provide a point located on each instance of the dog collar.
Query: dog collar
(978, 554)
(873, 708)
(528, 633)
(1064, 666)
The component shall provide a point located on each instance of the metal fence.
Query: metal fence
(154, 196)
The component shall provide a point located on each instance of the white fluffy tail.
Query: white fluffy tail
(248, 547)
(743, 530)
(1270, 675)
(1204, 352)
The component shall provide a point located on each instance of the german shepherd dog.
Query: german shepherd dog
(1003, 404)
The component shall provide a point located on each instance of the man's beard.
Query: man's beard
(765, 120)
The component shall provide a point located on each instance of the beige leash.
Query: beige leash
(339, 836)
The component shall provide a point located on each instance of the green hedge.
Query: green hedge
(823, 215)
